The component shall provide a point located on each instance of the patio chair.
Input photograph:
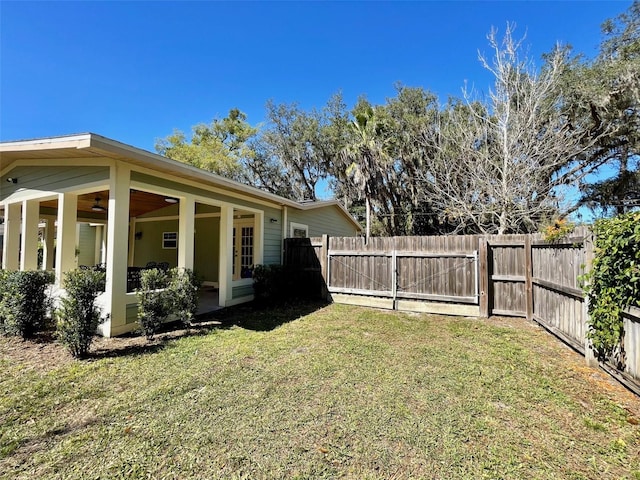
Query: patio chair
(133, 279)
(150, 265)
(164, 266)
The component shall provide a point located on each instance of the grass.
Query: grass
(342, 392)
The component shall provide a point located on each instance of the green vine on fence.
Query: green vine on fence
(613, 283)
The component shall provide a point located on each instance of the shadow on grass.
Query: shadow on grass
(135, 343)
(251, 316)
(264, 317)
(128, 350)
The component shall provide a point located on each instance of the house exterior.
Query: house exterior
(89, 200)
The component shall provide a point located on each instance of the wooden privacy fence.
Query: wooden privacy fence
(472, 275)
(406, 273)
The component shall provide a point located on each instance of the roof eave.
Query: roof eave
(99, 142)
(155, 160)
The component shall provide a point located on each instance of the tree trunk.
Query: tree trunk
(368, 220)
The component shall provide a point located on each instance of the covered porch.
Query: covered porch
(99, 212)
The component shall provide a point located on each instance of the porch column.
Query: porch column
(258, 239)
(132, 242)
(186, 232)
(29, 238)
(103, 248)
(117, 248)
(66, 234)
(225, 274)
(49, 237)
(11, 246)
(97, 249)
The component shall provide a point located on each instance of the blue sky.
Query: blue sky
(134, 71)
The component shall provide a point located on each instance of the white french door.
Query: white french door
(243, 248)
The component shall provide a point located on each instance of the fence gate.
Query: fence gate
(302, 262)
(507, 265)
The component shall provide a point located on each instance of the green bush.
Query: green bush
(269, 283)
(4, 274)
(183, 293)
(78, 316)
(162, 294)
(613, 283)
(24, 303)
(155, 302)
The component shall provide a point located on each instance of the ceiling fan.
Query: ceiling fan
(97, 207)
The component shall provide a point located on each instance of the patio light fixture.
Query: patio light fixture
(12, 180)
(170, 200)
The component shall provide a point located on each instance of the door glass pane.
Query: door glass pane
(235, 253)
(246, 252)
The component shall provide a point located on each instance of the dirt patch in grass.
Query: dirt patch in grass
(42, 353)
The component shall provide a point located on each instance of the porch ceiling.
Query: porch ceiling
(139, 202)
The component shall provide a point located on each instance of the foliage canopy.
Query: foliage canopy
(614, 281)
(505, 162)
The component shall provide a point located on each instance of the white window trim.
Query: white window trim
(298, 226)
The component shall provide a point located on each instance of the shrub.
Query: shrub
(155, 303)
(4, 274)
(614, 280)
(558, 229)
(269, 283)
(183, 294)
(78, 316)
(24, 303)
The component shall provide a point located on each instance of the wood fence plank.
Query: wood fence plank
(483, 260)
(528, 273)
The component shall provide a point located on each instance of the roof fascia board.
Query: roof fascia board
(72, 141)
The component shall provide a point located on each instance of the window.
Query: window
(169, 240)
(298, 230)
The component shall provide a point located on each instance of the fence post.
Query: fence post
(483, 281)
(324, 259)
(528, 274)
(589, 356)
(394, 275)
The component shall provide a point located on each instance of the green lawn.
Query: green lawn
(339, 392)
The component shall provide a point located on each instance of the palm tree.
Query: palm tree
(365, 157)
